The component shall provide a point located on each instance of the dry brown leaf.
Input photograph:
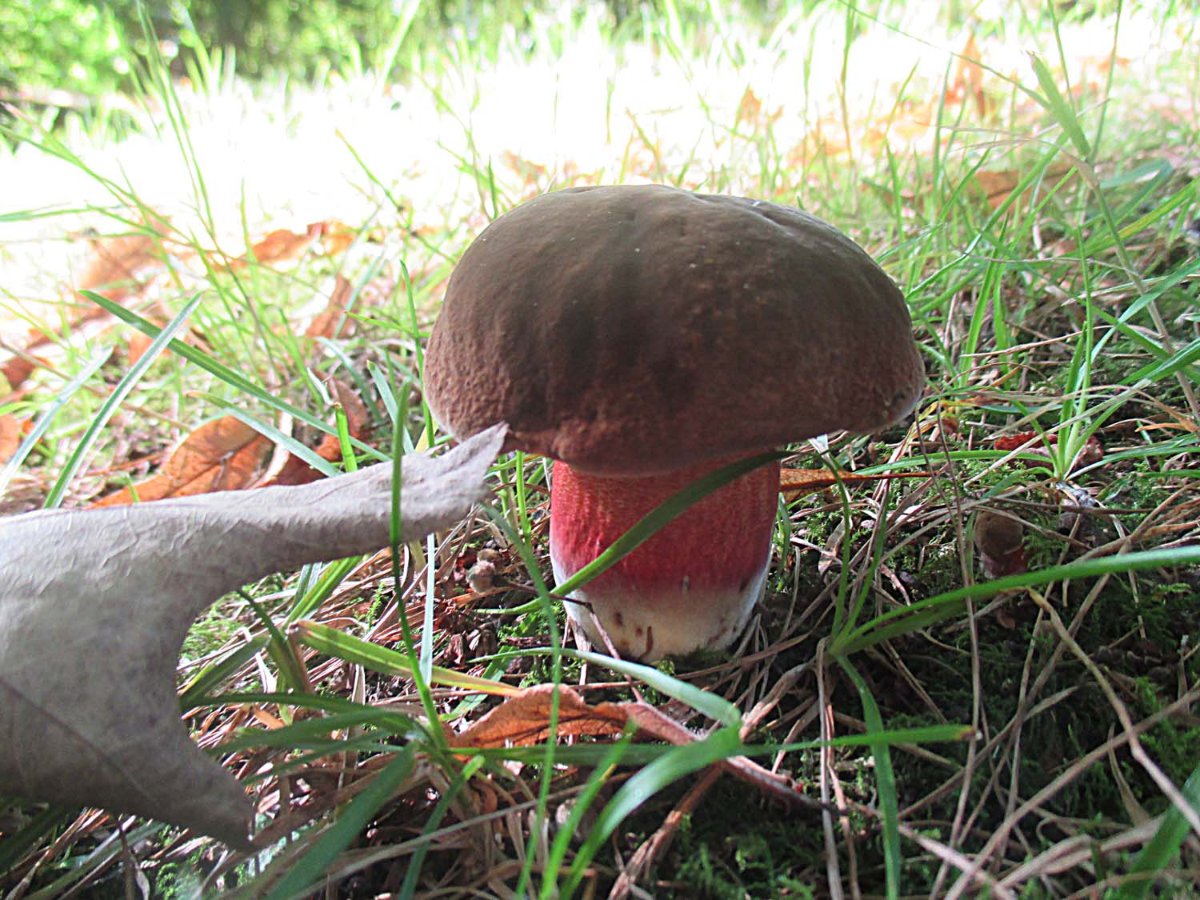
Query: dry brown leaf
(17, 370)
(967, 82)
(997, 186)
(95, 604)
(119, 268)
(331, 321)
(749, 107)
(10, 436)
(1091, 452)
(136, 346)
(223, 455)
(336, 237)
(282, 245)
(297, 471)
(795, 483)
(525, 719)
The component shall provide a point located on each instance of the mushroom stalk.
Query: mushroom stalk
(692, 584)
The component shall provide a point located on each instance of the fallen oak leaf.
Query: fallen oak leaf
(280, 245)
(337, 236)
(225, 454)
(525, 719)
(10, 436)
(795, 483)
(330, 321)
(120, 267)
(95, 604)
(17, 369)
(997, 186)
(295, 470)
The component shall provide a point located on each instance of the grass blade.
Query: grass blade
(308, 871)
(885, 782)
(1056, 104)
(47, 418)
(676, 763)
(1164, 847)
(332, 642)
(115, 399)
(942, 606)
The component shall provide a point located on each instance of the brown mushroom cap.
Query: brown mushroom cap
(634, 330)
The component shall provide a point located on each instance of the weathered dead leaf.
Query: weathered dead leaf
(16, 370)
(223, 455)
(330, 322)
(297, 471)
(749, 108)
(282, 245)
(525, 719)
(967, 82)
(337, 236)
(95, 604)
(10, 436)
(997, 186)
(795, 483)
(120, 267)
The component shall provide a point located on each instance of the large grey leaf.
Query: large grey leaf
(95, 604)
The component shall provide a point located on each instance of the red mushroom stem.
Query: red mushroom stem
(693, 584)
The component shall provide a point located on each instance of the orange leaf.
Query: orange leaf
(297, 471)
(749, 107)
(17, 370)
(525, 719)
(336, 237)
(795, 483)
(121, 265)
(282, 245)
(997, 186)
(1092, 452)
(331, 320)
(119, 268)
(10, 436)
(968, 78)
(136, 346)
(222, 455)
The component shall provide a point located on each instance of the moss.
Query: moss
(734, 845)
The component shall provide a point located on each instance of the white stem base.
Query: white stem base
(651, 624)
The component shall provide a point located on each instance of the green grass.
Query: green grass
(1061, 309)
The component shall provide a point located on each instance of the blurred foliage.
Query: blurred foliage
(91, 47)
(69, 45)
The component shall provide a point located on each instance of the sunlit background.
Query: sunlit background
(771, 101)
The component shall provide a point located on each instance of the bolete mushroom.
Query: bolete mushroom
(644, 336)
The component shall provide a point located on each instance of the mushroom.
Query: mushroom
(643, 336)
